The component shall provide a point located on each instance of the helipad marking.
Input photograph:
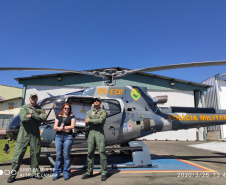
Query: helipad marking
(210, 164)
(162, 164)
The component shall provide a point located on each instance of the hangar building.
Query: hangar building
(216, 97)
(180, 93)
(10, 103)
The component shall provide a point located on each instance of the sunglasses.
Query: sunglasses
(95, 101)
(67, 108)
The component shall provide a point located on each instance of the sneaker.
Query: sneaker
(103, 177)
(55, 177)
(66, 178)
(86, 176)
(11, 179)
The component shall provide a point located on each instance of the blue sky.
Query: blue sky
(90, 34)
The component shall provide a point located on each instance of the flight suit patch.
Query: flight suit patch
(38, 111)
(30, 111)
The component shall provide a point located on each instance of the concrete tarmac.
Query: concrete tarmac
(214, 161)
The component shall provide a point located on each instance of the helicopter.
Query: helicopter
(131, 112)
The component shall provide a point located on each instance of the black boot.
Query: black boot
(103, 177)
(86, 176)
(11, 179)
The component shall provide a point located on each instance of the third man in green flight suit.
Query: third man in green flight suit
(95, 119)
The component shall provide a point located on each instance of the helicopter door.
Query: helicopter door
(114, 117)
(52, 107)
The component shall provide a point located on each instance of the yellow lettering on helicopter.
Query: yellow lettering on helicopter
(203, 118)
(103, 91)
(187, 118)
(197, 117)
(175, 117)
(119, 91)
(216, 116)
(112, 91)
(181, 119)
(211, 119)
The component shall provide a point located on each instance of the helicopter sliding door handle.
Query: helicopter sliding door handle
(48, 126)
(111, 127)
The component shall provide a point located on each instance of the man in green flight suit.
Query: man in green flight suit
(31, 116)
(95, 119)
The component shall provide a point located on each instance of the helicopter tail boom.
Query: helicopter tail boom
(186, 117)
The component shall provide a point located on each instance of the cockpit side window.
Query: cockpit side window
(48, 106)
(52, 107)
(112, 107)
(80, 107)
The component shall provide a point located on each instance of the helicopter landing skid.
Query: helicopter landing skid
(140, 154)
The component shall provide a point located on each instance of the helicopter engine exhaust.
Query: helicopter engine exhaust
(160, 99)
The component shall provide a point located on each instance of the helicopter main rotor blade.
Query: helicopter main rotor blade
(42, 69)
(34, 69)
(179, 66)
(117, 74)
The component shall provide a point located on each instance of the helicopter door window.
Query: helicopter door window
(51, 114)
(112, 107)
(80, 110)
(48, 106)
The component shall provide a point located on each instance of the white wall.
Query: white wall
(10, 106)
(48, 91)
(175, 98)
(222, 102)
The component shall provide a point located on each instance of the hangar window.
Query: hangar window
(5, 119)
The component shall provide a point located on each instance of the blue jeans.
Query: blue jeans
(63, 145)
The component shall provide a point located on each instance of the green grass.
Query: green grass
(4, 156)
